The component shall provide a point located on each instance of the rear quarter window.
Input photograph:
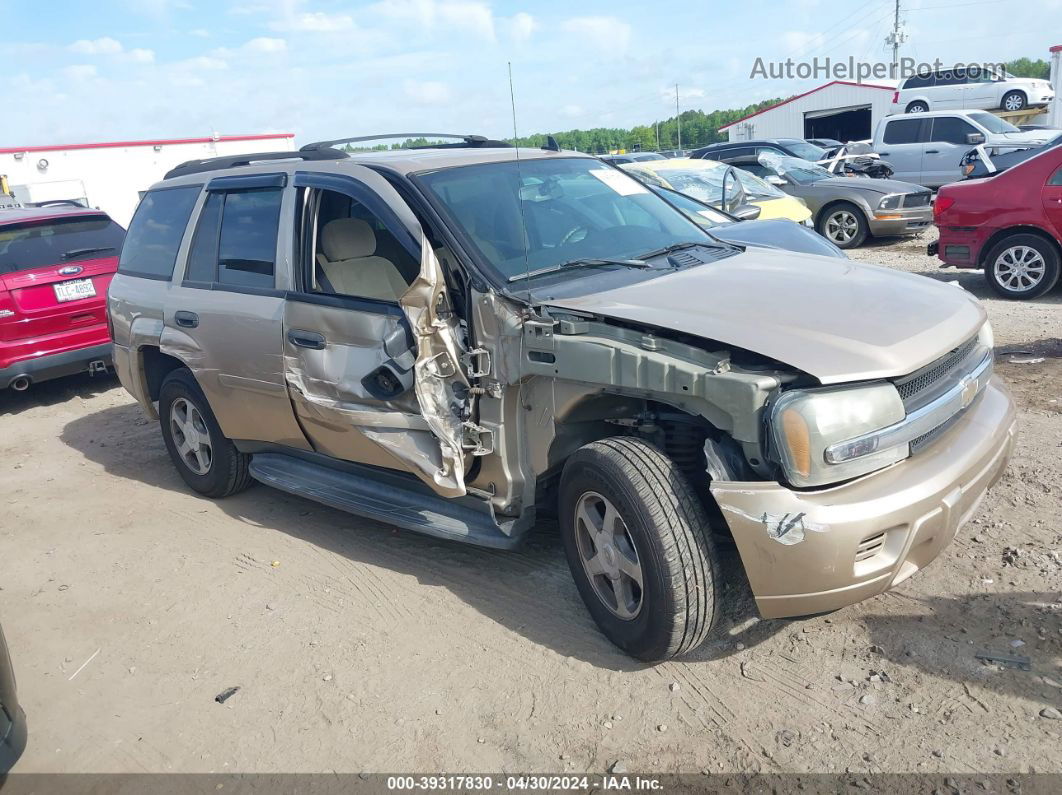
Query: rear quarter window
(156, 231)
(57, 241)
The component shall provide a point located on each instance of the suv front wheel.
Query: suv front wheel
(637, 543)
(207, 461)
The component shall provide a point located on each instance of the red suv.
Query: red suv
(55, 266)
(1009, 224)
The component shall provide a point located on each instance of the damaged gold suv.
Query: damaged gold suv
(460, 338)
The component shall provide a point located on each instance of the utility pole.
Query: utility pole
(678, 115)
(656, 127)
(895, 39)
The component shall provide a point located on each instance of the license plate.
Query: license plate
(74, 290)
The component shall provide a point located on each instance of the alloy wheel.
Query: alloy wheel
(842, 227)
(190, 436)
(1013, 102)
(1019, 269)
(608, 555)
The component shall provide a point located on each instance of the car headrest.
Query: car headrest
(347, 238)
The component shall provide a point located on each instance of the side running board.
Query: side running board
(384, 496)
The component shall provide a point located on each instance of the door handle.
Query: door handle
(186, 319)
(932, 151)
(883, 154)
(306, 339)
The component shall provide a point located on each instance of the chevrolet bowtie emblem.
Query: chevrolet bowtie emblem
(969, 390)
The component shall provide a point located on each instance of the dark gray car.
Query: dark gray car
(846, 210)
(12, 718)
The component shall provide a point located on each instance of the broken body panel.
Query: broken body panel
(498, 399)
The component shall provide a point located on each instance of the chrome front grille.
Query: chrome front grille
(923, 385)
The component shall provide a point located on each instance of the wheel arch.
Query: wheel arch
(835, 202)
(1000, 235)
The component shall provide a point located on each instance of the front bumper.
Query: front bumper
(56, 365)
(13, 736)
(900, 222)
(814, 551)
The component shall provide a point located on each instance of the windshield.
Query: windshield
(703, 180)
(804, 149)
(993, 123)
(537, 214)
(701, 214)
(798, 171)
(57, 241)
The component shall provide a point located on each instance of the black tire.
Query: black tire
(1015, 98)
(917, 107)
(997, 268)
(862, 228)
(227, 471)
(668, 529)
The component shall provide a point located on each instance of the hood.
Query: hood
(776, 233)
(1029, 136)
(882, 186)
(832, 318)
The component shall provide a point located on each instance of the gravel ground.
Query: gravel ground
(129, 604)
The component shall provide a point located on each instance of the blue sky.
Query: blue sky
(323, 68)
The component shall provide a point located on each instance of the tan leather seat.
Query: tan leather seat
(347, 260)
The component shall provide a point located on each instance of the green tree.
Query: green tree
(1024, 67)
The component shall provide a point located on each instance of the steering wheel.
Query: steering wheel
(571, 233)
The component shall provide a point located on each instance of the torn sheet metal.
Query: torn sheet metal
(440, 384)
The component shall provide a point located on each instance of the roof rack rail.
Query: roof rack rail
(467, 141)
(231, 161)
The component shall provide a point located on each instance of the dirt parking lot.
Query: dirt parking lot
(129, 604)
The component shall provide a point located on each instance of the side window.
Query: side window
(203, 256)
(1056, 178)
(951, 130)
(353, 253)
(952, 77)
(918, 81)
(247, 243)
(156, 231)
(902, 131)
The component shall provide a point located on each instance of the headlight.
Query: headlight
(986, 338)
(805, 423)
(891, 202)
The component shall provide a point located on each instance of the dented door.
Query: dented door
(374, 381)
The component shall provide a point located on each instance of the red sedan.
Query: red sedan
(1009, 224)
(55, 266)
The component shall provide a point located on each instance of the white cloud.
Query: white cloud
(80, 72)
(200, 33)
(521, 26)
(427, 92)
(264, 44)
(102, 46)
(466, 15)
(315, 22)
(607, 34)
(140, 55)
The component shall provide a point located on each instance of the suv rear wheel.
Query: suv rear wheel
(1022, 267)
(207, 461)
(637, 543)
(917, 107)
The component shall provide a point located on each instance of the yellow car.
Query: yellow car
(703, 180)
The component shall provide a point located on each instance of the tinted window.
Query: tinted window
(156, 230)
(57, 241)
(247, 245)
(1056, 178)
(951, 130)
(952, 77)
(919, 81)
(993, 123)
(203, 256)
(903, 131)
